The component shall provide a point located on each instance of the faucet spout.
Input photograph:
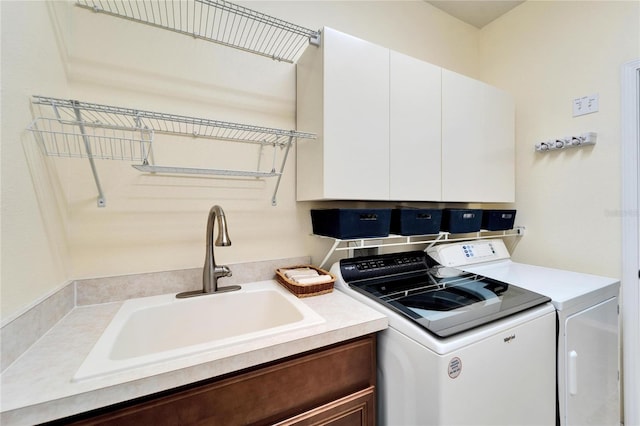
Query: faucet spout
(211, 271)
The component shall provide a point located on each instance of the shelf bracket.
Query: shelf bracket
(102, 202)
(315, 38)
(274, 202)
(440, 236)
(329, 253)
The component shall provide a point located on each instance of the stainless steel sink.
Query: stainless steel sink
(157, 328)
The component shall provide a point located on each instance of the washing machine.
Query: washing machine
(460, 349)
(588, 346)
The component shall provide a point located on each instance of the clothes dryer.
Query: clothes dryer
(588, 347)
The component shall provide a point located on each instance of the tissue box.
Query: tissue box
(498, 220)
(351, 223)
(410, 221)
(461, 221)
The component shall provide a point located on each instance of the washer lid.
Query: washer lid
(565, 288)
(453, 304)
(443, 304)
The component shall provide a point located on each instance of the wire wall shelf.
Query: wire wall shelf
(217, 21)
(135, 120)
(74, 129)
(429, 240)
(61, 138)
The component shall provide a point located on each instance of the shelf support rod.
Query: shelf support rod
(433, 243)
(87, 145)
(330, 252)
(284, 161)
(260, 150)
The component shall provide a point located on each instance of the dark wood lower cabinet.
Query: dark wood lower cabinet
(331, 386)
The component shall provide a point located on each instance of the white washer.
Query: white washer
(588, 328)
(497, 373)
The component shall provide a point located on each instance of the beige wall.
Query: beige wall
(34, 250)
(546, 53)
(52, 230)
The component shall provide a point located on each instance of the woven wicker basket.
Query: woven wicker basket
(305, 290)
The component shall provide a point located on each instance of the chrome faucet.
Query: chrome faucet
(211, 271)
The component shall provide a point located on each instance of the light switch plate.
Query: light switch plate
(585, 105)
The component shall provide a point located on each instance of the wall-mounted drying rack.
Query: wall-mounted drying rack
(404, 240)
(86, 130)
(217, 21)
(584, 139)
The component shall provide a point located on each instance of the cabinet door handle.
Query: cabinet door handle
(573, 373)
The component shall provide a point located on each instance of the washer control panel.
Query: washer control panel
(382, 265)
(469, 252)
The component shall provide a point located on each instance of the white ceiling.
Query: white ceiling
(475, 12)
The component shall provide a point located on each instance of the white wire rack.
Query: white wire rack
(63, 138)
(408, 240)
(218, 21)
(136, 120)
(69, 128)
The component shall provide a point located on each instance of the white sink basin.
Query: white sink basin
(151, 329)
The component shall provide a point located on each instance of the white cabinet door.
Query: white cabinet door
(344, 97)
(478, 141)
(591, 371)
(415, 129)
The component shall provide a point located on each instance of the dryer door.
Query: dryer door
(591, 366)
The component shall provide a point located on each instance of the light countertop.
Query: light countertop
(38, 387)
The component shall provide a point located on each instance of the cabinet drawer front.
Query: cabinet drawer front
(354, 409)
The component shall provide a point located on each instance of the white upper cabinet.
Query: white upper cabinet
(415, 129)
(343, 96)
(392, 127)
(478, 148)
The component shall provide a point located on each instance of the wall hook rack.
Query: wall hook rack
(567, 142)
(70, 128)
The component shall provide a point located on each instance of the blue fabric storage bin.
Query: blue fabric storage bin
(351, 223)
(461, 221)
(409, 221)
(498, 220)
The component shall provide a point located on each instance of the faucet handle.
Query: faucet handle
(222, 271)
